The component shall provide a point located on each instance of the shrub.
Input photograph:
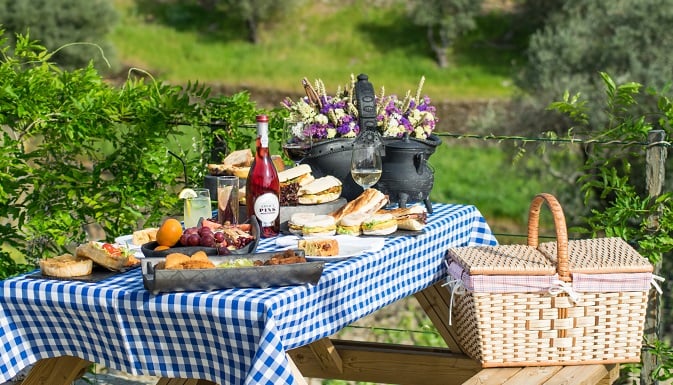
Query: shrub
(57, 23)
(77, 150)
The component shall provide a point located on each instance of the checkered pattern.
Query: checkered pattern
(235, 336)
(581, 283)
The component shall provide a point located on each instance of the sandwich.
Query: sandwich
(379, 224)
(321, 190)
(300, 174)
(291, 180)
(297, 221)
(408, 218)
(66, 266)
(368, 202)
(351, 224)
(323, 247)
(236, 163)
(319, 226)
(107, 255)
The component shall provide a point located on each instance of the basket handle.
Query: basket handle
(563, 265)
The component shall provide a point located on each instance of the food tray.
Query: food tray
(157, 281)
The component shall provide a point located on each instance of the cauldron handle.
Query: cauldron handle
(420, 161)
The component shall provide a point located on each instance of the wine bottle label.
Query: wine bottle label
(264, 140)
(267, 208)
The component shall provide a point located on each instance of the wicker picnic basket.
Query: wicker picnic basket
(577, 302)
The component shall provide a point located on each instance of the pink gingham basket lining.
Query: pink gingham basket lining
(582, 283)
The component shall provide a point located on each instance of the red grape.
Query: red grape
(184, 239)
(219, 237)
(207, 240)
(191, 230)
(205, 231)
(193, 240)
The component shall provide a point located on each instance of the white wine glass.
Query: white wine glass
(297, 140)
(366, 166)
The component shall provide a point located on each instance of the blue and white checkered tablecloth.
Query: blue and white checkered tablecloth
(235, 336)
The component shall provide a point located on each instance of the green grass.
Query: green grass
(181, 43)
(320, 40)
(486, 177)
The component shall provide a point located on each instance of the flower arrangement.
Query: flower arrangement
(336, 116)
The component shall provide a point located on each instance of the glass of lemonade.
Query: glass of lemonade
(197, 207)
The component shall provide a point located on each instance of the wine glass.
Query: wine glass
(297, 140)
(366, 166)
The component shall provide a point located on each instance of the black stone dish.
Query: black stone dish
(148, 248)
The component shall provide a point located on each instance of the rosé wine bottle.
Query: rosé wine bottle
(262, 191)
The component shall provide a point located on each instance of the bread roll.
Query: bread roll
(179, 261)
(351, 224)
(297, 221)
(141, 237)
(379, 224)
(319, 226)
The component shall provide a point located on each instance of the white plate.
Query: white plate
(349, 246)
(127, 241)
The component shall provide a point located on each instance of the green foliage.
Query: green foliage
(622, 37)
(77, 150)
(78, 27)
(619, 207)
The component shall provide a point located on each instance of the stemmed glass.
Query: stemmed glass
(297, 140)
(366, 166)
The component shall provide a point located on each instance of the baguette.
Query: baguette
(409, 218)
(368, 202)
(113, 261)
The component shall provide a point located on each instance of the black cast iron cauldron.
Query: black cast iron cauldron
(333, 157)
(406, 176)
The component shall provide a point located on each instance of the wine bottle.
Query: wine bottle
(262, 191)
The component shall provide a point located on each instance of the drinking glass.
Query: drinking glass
(366, 166)
(297, 140)
(197, 207)
(227, 200)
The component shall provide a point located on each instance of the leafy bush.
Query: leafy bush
(57, 23)
(77, 150)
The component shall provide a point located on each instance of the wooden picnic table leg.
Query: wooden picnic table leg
(435, 301)
(56, 371)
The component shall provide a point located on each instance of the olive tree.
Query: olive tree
(65, 24)
(445, 20)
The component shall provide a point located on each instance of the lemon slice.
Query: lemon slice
(187, 193)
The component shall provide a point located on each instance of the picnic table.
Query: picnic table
(277, 335)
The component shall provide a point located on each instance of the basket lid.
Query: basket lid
(503, 260)
(601, 256)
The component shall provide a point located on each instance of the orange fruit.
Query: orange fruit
(161, 247)
(169, 232)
